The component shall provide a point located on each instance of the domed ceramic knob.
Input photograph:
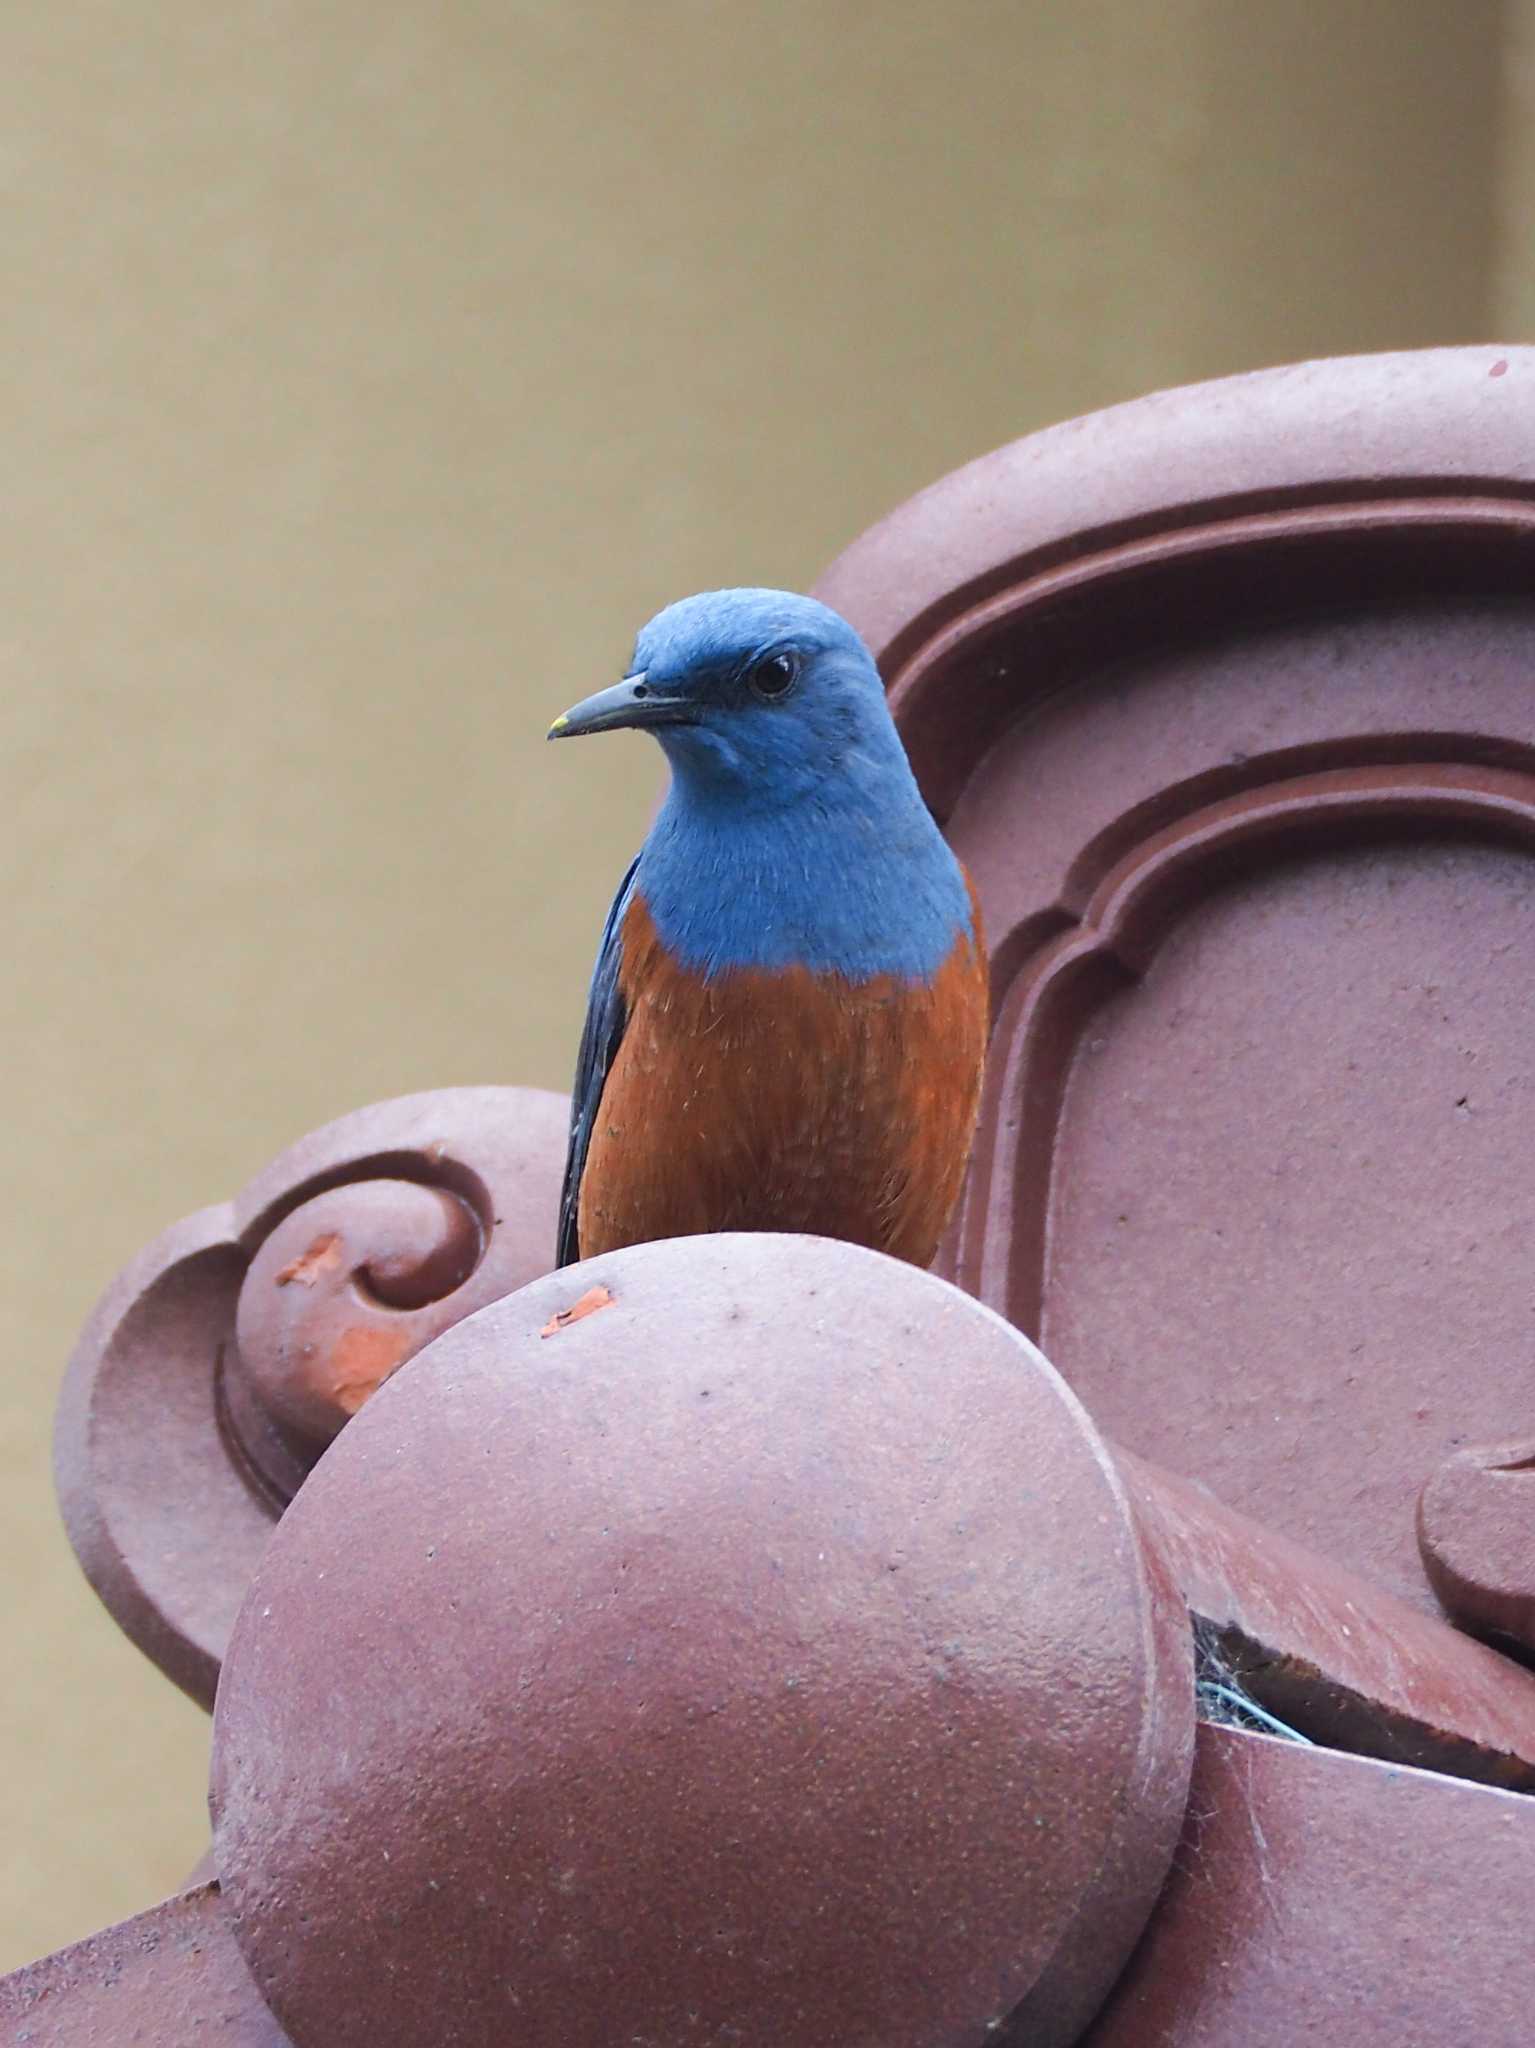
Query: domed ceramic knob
(767, 1656)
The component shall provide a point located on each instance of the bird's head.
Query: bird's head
(757, 696)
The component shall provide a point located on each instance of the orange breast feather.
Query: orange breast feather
(785, 1101)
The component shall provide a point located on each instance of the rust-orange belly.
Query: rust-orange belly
(785, 1101)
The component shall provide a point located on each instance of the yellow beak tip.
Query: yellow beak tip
(559, 725)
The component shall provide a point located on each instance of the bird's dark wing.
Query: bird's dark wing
(606, 1017)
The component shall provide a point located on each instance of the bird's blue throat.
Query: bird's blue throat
(853, 883)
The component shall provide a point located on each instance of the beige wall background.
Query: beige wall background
(1514, 293)
(370, 372)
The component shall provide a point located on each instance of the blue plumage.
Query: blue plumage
(601, 1036)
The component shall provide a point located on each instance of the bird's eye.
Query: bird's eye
(773, 678)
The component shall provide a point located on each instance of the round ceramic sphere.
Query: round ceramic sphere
(766, 1656)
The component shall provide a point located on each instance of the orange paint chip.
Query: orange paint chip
(593, 1299)
(360, 1362)
(323, 1256)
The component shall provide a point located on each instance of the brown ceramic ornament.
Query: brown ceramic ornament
(219, 1365)
(770, 1657)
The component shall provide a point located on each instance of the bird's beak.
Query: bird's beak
(633, 702)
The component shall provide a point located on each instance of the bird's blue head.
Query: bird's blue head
(759, 697)
(794, 833)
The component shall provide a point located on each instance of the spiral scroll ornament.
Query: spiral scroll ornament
(344, 1290)
(223, 1362)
